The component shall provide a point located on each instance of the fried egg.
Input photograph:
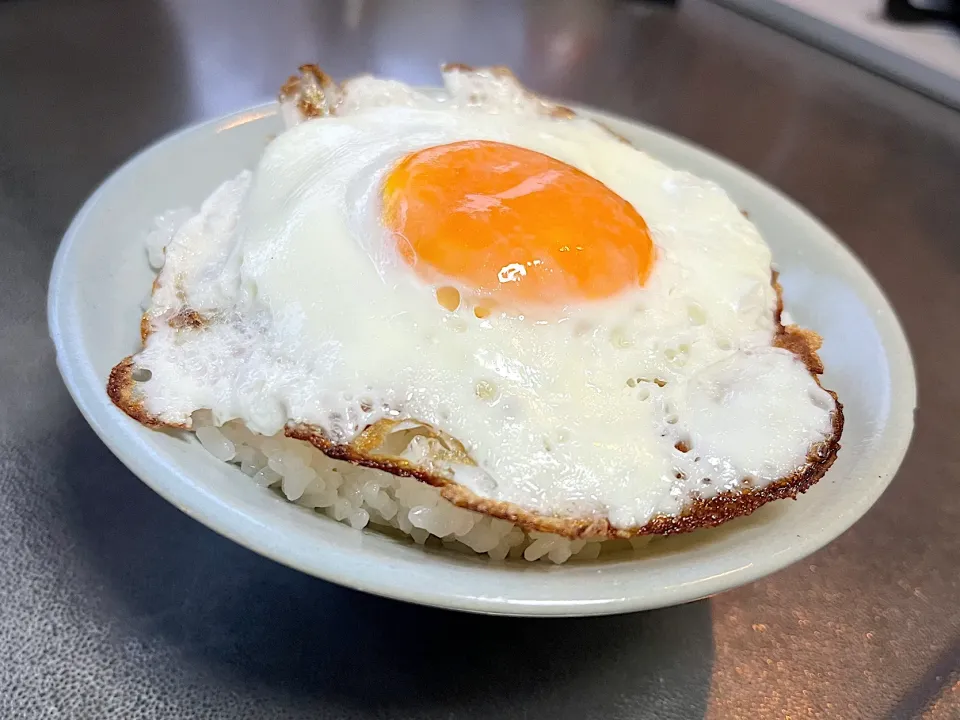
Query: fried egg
(595, 329)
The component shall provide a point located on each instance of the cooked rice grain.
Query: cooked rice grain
(361, 496)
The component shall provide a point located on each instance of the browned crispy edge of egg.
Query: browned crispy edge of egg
(320, 100)
(315, 94)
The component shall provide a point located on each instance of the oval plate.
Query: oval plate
(100, 276)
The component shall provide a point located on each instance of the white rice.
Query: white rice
(362, 497)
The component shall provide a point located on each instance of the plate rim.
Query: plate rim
(233, 523)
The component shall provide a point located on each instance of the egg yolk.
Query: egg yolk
(513, 225)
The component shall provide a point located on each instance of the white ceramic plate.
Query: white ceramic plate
(101, 274)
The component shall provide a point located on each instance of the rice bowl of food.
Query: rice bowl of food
(480, 323)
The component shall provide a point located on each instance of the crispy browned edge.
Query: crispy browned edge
(314, 106)
(701, 513)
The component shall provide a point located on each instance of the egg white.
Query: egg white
(572, 411)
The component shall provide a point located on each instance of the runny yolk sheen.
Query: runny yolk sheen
(513, 225)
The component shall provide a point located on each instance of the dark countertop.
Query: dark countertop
(114, 604)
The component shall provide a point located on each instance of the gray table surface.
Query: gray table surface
(114, 604)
